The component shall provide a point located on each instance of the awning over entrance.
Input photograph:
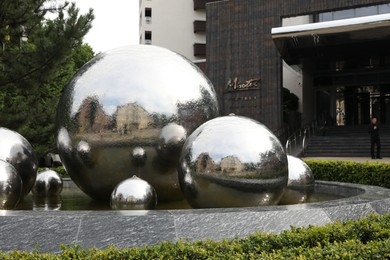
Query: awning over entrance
(355, 36)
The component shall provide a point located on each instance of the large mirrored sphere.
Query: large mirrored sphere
(135, 194)
(129, 110)
(16, 150)
(232, 161)
(48, 183)
(10, 186)
(300, 184)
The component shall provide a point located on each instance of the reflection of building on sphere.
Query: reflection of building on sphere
(47, 184)
(91, 106)
(16, 150)
(131, 98)
(132, 117)
(300, 184)
(205, 164)
(10, 186)
(231, 165)
(232, 161)
(133, 193)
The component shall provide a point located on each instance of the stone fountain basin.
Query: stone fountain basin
(24, 229)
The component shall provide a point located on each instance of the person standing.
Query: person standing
(373, 130)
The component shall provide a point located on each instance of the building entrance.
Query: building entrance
(356, 105)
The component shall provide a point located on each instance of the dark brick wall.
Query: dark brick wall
(239, 44)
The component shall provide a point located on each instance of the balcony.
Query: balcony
(199, 26)
(199, 49)
(201, 4)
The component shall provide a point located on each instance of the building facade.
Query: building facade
(341, 72)
(178, 25)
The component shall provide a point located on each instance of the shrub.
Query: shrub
(368, 173)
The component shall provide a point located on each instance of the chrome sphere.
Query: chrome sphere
(232, 161)
(16, 150)
(138, 156)
(133, 193)
(300, 184)
(10, 186)
(48, 184)
(128, 99)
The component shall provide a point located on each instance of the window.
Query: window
(357, 12)
(148, 15)
(365, 11)
(148, 37)
(148, 12)
(384, 9)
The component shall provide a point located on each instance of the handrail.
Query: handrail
(297, 142)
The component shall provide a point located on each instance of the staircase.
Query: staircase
(347, 141)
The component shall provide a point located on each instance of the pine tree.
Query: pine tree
(38, 57)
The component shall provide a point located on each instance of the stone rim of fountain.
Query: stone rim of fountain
(23, 230)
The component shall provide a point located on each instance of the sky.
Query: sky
(116, 23)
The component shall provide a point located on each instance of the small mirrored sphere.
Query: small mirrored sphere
(172, 138)
(135, 194)
(48, 184)
(232, 161)
(128, 98)
(10, 186)
(16, 150)
(300, 184)
(138, 156)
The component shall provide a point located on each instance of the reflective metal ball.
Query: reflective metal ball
(134, 193)
(138, 156)
(48, 184)
(300, 184)
(128, 99)
(16, 150)
(10, 186)
(172, 138)
(232, 161)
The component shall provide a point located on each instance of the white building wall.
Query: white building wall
(292, 76)
(292, 80)
(172, 25)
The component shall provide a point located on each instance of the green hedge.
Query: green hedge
(369, 173)
(368, 238)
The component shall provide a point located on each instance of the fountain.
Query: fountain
(142, 111)
(128, 112)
